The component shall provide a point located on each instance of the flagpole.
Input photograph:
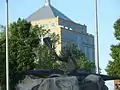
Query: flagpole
(7, 61)
(96, 38)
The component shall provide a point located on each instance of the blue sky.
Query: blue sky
(80, 11)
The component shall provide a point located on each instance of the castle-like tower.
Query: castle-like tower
(68, 30)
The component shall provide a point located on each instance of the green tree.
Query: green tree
(82, 62)
(27, 51)
(22, 41)
(45, 58)
(21, 55)
(2, 57)
(25, 46)
(113, 67)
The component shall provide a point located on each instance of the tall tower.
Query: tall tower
(47, 2)
(58, 23)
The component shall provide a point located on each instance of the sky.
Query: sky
(80, 11)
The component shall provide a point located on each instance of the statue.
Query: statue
(72, 79)
(68, 57)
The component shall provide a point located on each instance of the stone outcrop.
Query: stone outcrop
(91, 82)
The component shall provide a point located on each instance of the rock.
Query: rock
(94, 82)
(55, 83)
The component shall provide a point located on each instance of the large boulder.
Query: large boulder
(93, 82)
(55, 83)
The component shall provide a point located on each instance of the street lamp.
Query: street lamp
(96, 38)
(7, 61)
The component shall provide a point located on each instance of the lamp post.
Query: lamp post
(7, 61)
(96, 38)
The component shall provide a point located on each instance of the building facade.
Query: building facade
(68, 30)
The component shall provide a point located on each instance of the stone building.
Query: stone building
(68, 30)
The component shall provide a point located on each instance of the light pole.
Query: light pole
(7, 61)
(96, 38)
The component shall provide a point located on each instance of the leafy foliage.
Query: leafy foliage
(113, 67)
(45, 57)
(83, 63)
(21, 55)
(25, 48)
(2, 60)
(27, 51)
(117, 29)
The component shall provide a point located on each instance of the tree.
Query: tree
(27, 51)
(25, 46)
(113, 67)
(45, 57)
(2, 58)
(21, 46)
(82, 62)
(22, 41)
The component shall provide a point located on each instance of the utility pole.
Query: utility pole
(96, 38)
(7, 56)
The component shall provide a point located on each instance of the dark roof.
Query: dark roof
(47, 12)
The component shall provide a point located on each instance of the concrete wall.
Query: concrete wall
(84, 42)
